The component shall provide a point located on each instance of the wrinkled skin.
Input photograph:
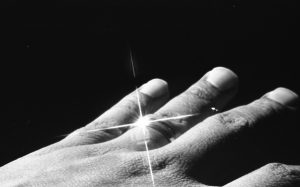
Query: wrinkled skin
(181, 150)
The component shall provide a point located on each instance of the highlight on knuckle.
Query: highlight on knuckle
(133, 165)
(233, 120)
(202, 92)
(279, 169)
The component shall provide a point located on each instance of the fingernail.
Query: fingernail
(155, 88)
(283, 96)
(222, 78)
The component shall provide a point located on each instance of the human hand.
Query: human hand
(181, 150)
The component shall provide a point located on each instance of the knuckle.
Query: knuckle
(278, 169)
(134, 164)
(248, 115)
(132, 167)
(165, 174)
(259, 110)
(202, 91)
(233, 120)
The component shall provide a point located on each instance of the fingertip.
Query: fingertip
(159, 81)
(284, 96)
(222, 78)
(155, 88)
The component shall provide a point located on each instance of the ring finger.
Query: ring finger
(212, 91)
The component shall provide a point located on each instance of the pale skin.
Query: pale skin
(179, 149)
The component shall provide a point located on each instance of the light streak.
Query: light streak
(139, 102)
(143, 126)
(173, 118)
(132, 64)
(148, 156)
(113, 127)
(143, 122)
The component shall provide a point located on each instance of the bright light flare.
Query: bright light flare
(144, 121)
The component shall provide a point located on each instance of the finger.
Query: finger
(214, 89)
(148, 98)
(270, 175)
(215, 130)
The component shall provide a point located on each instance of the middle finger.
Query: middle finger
(213, 90)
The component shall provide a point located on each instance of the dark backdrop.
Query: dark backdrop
(64, 63)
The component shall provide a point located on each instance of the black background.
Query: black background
(64, 63)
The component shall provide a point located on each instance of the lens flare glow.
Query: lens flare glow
(144, 121)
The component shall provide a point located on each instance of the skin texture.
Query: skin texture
(183, 152)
